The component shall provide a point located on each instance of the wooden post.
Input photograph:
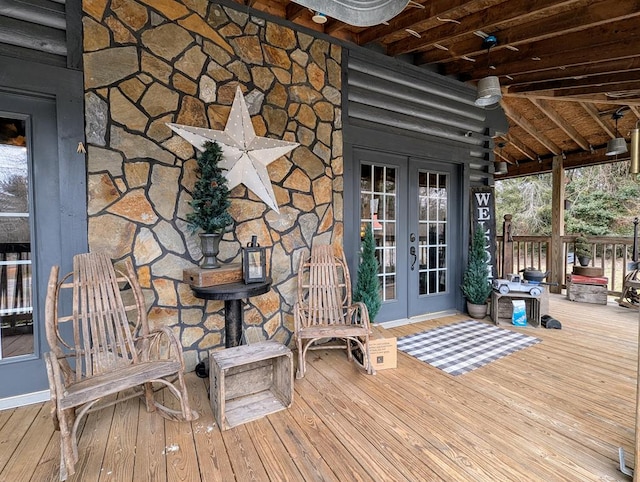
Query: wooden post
(507, 247)
(557, 225)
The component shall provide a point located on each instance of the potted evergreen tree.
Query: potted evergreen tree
(368, 286)
(475, 281)
(210, 201)
(582, 250)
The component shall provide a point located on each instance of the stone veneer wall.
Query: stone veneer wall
(148, 62)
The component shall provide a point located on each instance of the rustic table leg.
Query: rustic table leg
(232, 322)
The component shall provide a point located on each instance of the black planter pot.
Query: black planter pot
(584, 260)
(209, 244)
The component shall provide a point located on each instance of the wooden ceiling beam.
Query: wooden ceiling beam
(557, 60)
(518, 119)
(412, 17)
(520, 146)
(546, 108)
(515, 33)
(591, 99)
(578, 82)
(485, 20)
(572, 161)
(593, 45)
(295, 11)
(595, 115)
(598, 89)
(268, 6)
(504, 156)
(607, 67)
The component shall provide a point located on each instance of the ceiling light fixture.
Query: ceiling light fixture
(500, 167)
(619, 144)
(358, 13)
(319, 18)
(489, 92)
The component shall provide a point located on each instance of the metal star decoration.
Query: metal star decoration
(245, 156)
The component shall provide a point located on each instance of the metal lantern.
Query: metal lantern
(254, 262)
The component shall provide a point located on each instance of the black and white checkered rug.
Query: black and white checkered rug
(464, 346)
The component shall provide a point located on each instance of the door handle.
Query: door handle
(412, 252)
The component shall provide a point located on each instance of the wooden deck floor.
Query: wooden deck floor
(556, 411)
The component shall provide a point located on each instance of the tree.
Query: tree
(475, 281)
(210, 199)
(604, 201)
(368, 286)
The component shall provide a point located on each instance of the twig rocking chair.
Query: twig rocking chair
(104, 348)
(324, 308)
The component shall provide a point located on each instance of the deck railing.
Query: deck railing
(612, 254)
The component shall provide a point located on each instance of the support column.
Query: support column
(557, 224)
(507, 247)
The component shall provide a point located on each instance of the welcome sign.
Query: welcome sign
(483, 213)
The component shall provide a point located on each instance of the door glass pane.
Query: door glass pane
(378, 201)
(16, 308)
(16, 320)
(432, 229)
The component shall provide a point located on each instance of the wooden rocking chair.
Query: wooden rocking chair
(324, 309)
(104, 347)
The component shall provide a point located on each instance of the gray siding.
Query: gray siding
(38, 30)
(394, 97)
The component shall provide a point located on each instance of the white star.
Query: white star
(245, 156)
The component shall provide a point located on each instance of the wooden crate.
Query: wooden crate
(201, 278)
(250, 381)
(587, 293)
(588, 270)
(502, 307)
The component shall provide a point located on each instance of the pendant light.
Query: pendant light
(489, 92)
(500, 167)
(634, 165)
(619, 144)
(319, 17)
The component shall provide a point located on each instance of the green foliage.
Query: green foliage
(475, 281)
(210, 199)
(604, 201)
(528, 200)
(368, 286)
(582, 248)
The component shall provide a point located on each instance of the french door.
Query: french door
(413, 208)
(27, 166)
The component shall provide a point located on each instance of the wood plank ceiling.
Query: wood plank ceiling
(565, 66)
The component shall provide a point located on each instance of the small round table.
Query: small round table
(232, 294)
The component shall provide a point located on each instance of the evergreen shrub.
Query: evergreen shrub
(475, 281)
(210, 198)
